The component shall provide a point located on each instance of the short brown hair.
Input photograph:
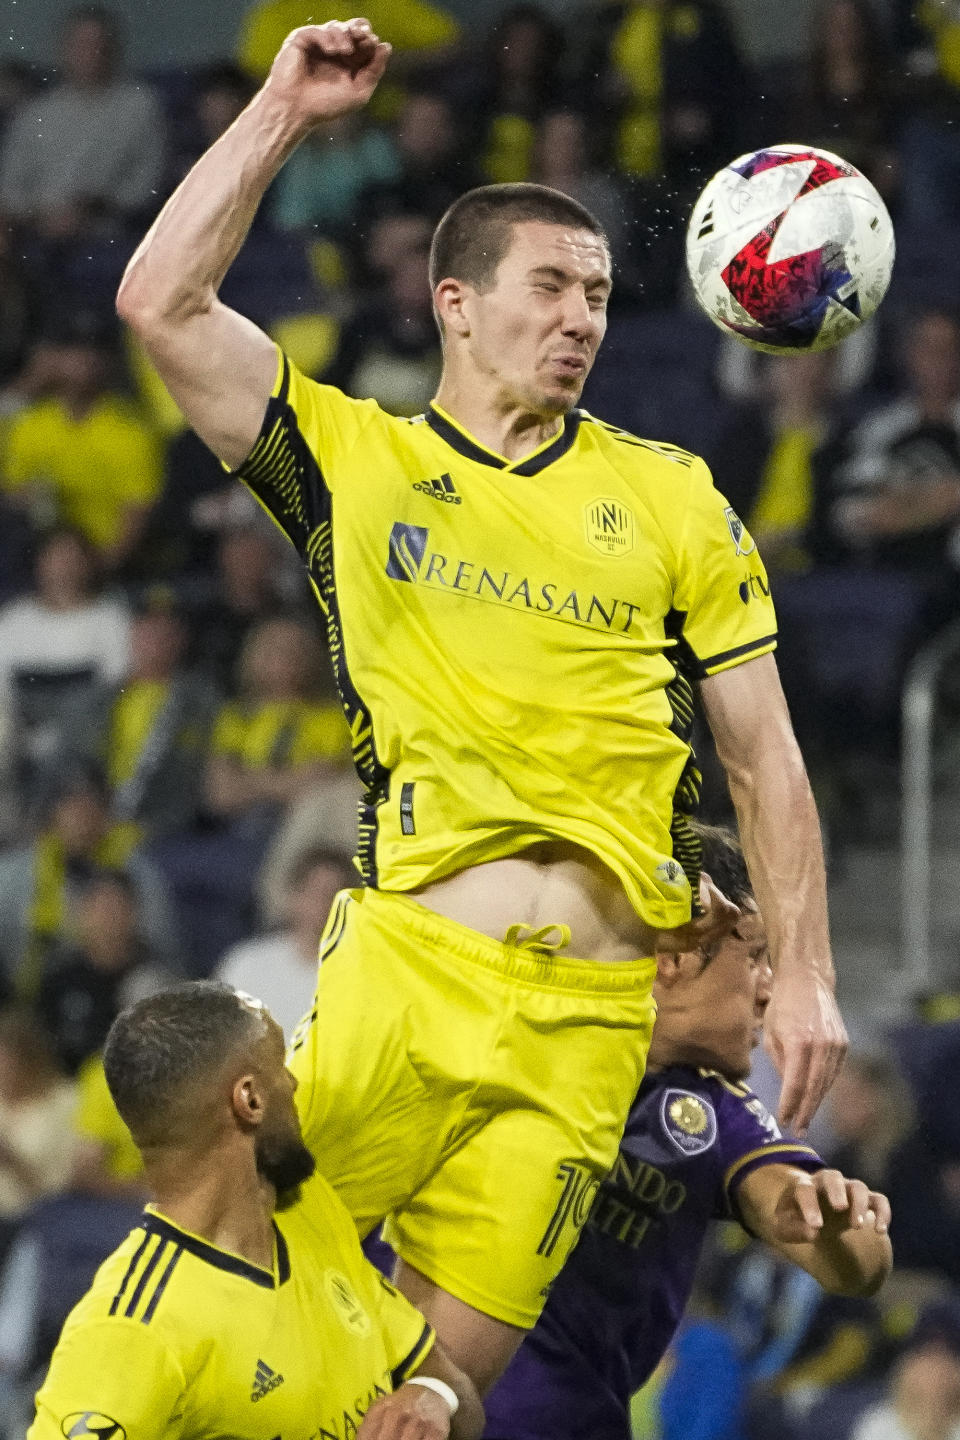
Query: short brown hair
(474, 235)
(721, 856)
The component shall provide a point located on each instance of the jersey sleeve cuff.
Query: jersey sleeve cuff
(415, 1358)
(804, 1157)
(727, 659)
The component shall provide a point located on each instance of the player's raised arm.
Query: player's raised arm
(835, 1228)
(218, 366)
(780, 832)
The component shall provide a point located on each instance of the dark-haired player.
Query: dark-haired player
(698, 1147)
(516, 596)
(242, 1304)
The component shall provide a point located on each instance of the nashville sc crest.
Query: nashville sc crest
(610, 527)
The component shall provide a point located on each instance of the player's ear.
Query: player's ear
(673, 969)
(448, 298)
(668, 968)
(247, 1099)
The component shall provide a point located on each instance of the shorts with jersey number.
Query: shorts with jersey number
(472, 1092)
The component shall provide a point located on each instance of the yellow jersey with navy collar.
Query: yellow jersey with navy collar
(514, 641)
(179, 1338)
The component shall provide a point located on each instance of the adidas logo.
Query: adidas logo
(264, 1381)
(442, 489)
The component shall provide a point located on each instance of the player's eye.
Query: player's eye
(548, 285)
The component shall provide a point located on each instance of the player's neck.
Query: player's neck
(668, 1049)
(228, 1205)
(488, 415)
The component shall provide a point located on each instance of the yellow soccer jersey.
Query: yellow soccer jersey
(178, 1338)
(514, 642)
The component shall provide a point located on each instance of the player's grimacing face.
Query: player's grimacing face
(537, 329)
(733, 991)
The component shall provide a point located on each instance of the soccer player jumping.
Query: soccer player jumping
(518, 598)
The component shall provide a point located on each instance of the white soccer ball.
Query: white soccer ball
(789, 248)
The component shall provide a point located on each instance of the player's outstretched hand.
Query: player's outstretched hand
(411, 1413)
(719, 917)
(806, 1040)
(322, 71)
(827, 1203)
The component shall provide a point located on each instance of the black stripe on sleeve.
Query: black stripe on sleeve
(737, 653)
(148, 1270)
(147, 1315)
(410, 1361)
(130, 1269)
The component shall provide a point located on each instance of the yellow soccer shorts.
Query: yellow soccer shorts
(473, 1092)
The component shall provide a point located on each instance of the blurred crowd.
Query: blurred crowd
(177, 795)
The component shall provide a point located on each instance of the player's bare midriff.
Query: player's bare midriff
(549, 884)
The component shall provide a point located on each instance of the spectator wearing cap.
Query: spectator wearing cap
(41, 881)
(150, 730)
(108, 966)
(281, 968)
(80, 453)
(88, 151)
(57, 645)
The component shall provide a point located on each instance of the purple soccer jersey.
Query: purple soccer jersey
(690, 1141)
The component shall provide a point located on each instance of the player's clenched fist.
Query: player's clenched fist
(410, 1413)
(322, 71)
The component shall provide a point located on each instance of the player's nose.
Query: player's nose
(578, 319)
(764, 986)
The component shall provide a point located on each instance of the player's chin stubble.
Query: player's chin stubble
(286, 1165)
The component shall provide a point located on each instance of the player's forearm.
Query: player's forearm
(781, 839)
(180, 264)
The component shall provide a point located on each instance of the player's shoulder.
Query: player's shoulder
(635, 453)
(700, 1108)
(130, 1285)
(735, 1099)
(303, 394)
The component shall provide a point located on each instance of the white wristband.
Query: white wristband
(441, 1388)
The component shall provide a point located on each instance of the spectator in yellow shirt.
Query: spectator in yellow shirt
(105, 1159)
(80, 454)
(279, 739)
(422, 36)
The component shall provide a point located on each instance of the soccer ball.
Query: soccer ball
(789, 248)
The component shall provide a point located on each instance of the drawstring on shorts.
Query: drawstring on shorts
(537, 939)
